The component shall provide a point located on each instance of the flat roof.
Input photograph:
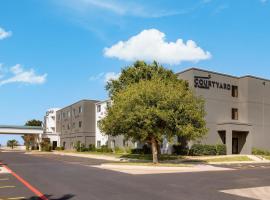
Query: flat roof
(22, 127)
(94, 101)
(222, 74)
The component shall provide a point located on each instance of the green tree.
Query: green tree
(29, 140)
(12, 143)
(151, 108)
(33, 122)
(140, 70)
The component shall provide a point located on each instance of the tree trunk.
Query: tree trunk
(154, 150)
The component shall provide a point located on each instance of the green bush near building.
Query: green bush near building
(256, 151)
(207, 150)
(46, 145)
(179, 149)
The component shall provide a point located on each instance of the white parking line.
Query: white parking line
(259, 193)
(7, 186)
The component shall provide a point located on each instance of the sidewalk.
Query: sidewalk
(137, 170)
(93, 156)
(203, 159)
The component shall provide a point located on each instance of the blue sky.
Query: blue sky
(56, 52)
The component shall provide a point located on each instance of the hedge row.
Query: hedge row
(204, 149)
(256, 151)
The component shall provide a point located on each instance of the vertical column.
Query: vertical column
(229, 141)
(39, 141)
(248, 144)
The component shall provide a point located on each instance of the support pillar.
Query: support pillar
(39, 142)
(229, 141)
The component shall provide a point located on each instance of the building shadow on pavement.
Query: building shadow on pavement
(50, 197)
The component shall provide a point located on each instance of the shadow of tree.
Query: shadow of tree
(50, 197)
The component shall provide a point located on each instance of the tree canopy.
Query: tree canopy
(151, 105)
(33, 122)
(12, 143)
(140, 70)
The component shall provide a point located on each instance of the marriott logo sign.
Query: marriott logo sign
(207, 83)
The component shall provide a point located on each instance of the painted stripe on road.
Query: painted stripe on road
(7, 186)
(28, 185)
(16, 198)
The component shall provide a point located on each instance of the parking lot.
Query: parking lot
(66, 177)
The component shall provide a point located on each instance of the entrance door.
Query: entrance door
(54, 145)
(235, 146)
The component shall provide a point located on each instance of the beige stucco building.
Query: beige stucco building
(238, 109)
(77, 123)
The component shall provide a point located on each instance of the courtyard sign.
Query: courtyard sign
(207, 83)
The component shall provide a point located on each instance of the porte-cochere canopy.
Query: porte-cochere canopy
(20, 130)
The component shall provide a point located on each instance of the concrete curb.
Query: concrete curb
(137, 170)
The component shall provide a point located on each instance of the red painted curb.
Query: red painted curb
(28, 185)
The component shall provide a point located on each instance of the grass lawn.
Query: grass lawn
(149, 157)
(174, 160)
(267, 157)
(94, 153)
(228, 159)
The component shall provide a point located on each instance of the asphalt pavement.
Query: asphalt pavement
(66, 177)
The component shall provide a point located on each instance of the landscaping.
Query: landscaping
(228, 159)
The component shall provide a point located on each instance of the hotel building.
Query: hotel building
(50, 128)
(238, 109)
(77, 123)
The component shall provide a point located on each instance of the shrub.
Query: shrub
(78, 146)
(180, 149)
(202, 149)
(119, 150)
(91, 147)
(221, 149)
(45, 145)
(144, 150)
(104, 149)
(256, 151)
(83, 148)
(137, 151)
(59, 148)
(128, 150)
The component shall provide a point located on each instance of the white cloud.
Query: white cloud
(105, 77)
(151, 45)
(96, 77)
(119, 7)
(4, 34)
(20, 75)
(111, 76)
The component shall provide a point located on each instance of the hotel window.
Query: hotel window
(80, 124)
(234, 113)
(68, 113)
(98, 108)
(80, 109)
(98, 144)
(234, 91)
(74, 111)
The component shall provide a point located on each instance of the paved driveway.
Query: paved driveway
(67, 177)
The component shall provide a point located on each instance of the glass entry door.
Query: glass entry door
(235, 146)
